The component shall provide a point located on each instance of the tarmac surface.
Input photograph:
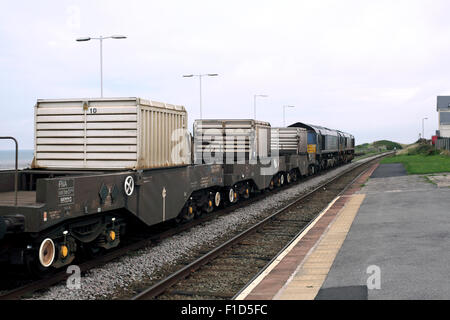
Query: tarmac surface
(398, 244)
(389, 170)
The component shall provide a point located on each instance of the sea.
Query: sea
(8, 158)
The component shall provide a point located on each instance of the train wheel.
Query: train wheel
(271, 184)
(217, 199)
(231, 196)
(48, 257)
(47, 252)
(282, 179)
(288, 178)
(38, 263)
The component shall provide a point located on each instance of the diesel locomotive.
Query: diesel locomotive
(100, 162)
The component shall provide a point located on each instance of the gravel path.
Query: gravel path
(114, 278)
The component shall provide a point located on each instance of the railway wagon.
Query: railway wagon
(255, 156)
(100, 163)
(291, 144)
(242, 146)
(97, 163)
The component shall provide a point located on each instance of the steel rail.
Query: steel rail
(161, 286)
(58, 277)
(21, 291)
(263, 269)
(26, 289)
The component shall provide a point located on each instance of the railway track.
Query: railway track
(26, 287)
(146, 239)
(222, 272)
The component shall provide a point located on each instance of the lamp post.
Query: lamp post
(423, 127)
(200, 80)
(254, 103)
(284, 114)
(101, 38)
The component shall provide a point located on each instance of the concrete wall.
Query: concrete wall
(444, 123)
(445, 132)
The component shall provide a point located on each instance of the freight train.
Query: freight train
(100, 162)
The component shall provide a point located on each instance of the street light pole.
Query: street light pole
(284, 114)
(254, 103)
(423, 127)
(200, 85)
(101, 66)
(101, 38)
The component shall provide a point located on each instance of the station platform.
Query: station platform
(386, 237)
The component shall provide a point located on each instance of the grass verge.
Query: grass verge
(421, 164)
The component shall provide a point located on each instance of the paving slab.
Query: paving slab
(440, 180)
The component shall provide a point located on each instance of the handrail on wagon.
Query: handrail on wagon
(16, 170)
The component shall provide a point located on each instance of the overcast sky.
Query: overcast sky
(371, 68)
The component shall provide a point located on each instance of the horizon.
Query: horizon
(358, 144)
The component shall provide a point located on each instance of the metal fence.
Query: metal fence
(443, 143)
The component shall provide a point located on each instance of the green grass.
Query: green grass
(421, 164)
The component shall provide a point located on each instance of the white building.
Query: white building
(443, 108)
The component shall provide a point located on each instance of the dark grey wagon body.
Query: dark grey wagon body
(158, 195)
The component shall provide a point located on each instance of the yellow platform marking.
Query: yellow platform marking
(309, 277)
(269, 268)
